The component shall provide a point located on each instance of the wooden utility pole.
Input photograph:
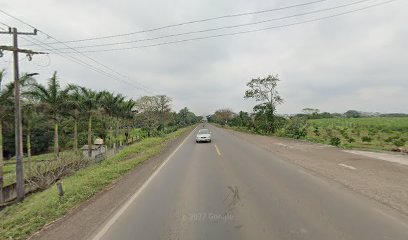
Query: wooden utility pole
(17, 107)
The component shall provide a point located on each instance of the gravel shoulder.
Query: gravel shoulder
(378, 176)
(81, 222)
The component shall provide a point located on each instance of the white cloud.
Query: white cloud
(356, 61)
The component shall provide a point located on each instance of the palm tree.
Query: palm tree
(54, 99)
(111, 105)
(5, 105)
(127, 113)
(73, 109)
(29, 119)
(91, 103)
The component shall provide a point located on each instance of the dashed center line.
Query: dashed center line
(218, 150)
(347, 166)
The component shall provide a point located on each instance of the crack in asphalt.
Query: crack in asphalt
(234, 200)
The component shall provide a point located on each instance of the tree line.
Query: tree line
(264, 119)
(61, 118)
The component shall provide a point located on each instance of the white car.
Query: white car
(203, 135)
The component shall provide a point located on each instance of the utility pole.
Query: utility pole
(17, 107)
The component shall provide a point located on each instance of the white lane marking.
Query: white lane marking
(347, 166)
(218, 150)
(105, 228)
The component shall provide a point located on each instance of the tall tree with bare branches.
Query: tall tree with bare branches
(264, 90)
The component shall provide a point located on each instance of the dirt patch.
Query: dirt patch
(383, 181)
(390, 157)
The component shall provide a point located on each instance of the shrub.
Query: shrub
(373, 130)
(280, 132)
(296, 128)
(316, 131)
(371, 134)
(329, 132)
(366, 139)
(391, 138)
(350, 140)
(335, 141)
(399, 142)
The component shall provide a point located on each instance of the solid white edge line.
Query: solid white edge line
(136, 194)
(347, 166)
(218, 150)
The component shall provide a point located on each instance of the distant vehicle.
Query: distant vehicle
(203, 135)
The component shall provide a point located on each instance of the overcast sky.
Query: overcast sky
(355, 61)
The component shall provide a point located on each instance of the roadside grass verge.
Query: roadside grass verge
(21, 220)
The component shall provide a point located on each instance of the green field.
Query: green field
(381, 133)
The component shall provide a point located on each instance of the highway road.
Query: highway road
(231, 189)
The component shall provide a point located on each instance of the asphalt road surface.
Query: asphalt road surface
(231, 189)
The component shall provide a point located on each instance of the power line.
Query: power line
(90, 58)
(219, 28)
(76, 60)
(56, 51)
(187, 22)
(45, 65)
(185, 40)
(240, 32)
(83, 63)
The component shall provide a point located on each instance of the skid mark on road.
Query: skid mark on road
(218, 150)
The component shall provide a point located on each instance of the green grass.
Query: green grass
(21, 220)
(383, 123)
(382, 132)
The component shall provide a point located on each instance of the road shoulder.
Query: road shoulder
(383, 181)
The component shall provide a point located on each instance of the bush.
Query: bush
(391, 138)
(399, 142)
(373, 130)
(366, 139)
(316, 131)
(329, 132)
(345, 135)
(342, 131)
(335, 141)
(350, 140)
(296, 128)
(280, 132)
